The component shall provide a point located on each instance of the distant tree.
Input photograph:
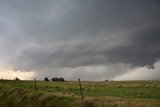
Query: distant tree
(53, 79)
(46, 79)
(56, 79)
(61, 79)
(17, 79)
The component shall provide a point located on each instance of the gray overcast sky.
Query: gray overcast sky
(90, 39)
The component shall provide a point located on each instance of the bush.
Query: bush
(17, 79)
(56, 79)
(46, 79)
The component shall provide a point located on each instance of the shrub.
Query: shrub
(46, 79)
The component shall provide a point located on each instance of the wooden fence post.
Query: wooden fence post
(14, 82)
(1, 80)
(80, 86)
(35, 83)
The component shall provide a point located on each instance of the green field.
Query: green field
(99, 93)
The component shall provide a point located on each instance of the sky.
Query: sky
(87, 39)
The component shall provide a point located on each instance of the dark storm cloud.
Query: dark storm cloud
(142, 49)
(43, 35)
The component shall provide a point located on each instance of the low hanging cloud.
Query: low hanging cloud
(141, 73)
(91, 39)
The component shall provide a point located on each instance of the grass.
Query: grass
(67, 94)
(17, 97)
(124, 89)
(125, 92)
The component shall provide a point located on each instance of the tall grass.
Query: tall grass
(17, 97)
(67, 94)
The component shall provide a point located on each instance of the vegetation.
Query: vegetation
(100, 94)
(46, 79)
(17, 79)
(17, 97)
(56, 79)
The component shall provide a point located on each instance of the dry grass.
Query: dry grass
(97, 94)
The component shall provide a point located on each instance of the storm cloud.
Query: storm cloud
(91, 39)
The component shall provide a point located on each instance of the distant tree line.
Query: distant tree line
(55, 79)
